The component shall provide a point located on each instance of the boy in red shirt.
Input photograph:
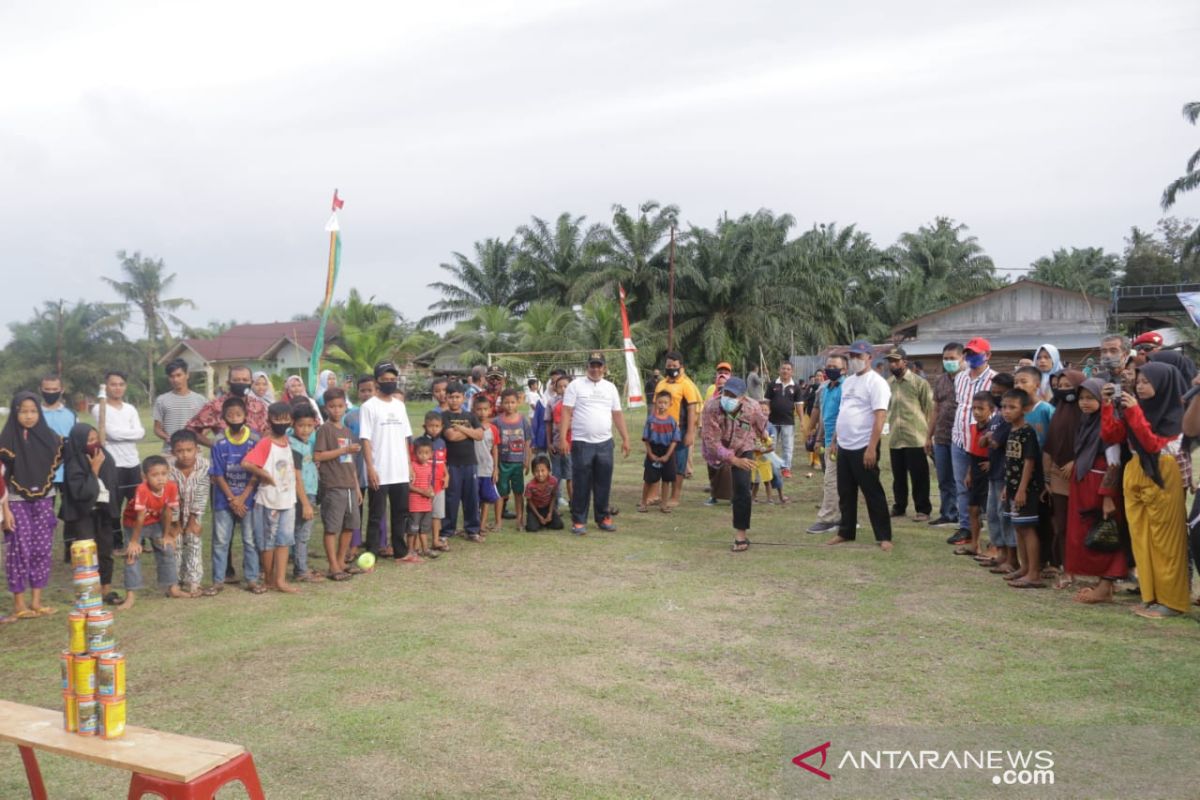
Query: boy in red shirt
(425, 481)
(152, 514)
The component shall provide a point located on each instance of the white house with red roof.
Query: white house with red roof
(276, 348)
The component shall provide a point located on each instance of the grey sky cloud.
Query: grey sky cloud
(213, 135)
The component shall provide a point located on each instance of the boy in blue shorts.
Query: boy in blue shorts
(278, 471)
(487, 464)
(661, 436)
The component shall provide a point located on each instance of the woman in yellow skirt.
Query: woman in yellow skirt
(1154, 485)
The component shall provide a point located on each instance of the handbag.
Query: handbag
(1103, 536)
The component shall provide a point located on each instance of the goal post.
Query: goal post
(521, 366)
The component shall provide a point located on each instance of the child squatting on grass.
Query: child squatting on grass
(152, 515)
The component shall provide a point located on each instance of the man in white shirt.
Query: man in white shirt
(385, 432)
(863, 411)
(591, 406)
(122, 431)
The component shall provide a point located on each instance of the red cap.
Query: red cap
(979, 345)
(1150, 337)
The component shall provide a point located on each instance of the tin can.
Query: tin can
(87, 714)
(111, 723)
(65, 660)
(87, 590)
(77, 624)
(70, 713)
(110, 675)
(100, 632)
(84, 557)
(85, 675)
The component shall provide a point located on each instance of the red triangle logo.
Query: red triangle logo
(823, 749)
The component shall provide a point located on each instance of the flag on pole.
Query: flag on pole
(633, 379)
(335, 262)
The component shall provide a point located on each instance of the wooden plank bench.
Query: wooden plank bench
(174, 767)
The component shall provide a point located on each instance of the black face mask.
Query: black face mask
(50, 398)
(672, 372)
(239, 389)
(235, 427)
(280, 428)
(833, 373)
(389, 387)
(898, 372)
(1066, 395)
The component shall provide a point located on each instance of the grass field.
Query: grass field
(650, 662)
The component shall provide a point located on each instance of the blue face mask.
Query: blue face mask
(976, 360)
(729, 404)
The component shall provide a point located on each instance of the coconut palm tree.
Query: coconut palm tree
(940, 265)
(1187, 182)
(552, 257)
(493, 329)
(547, 326)
(142, 291)
(1089, 270)
(489, 280)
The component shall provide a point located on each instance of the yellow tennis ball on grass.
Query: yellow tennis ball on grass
(366, 561)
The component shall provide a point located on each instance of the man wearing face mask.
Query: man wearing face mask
(1114, 350)
(731, 425)
(909, 418)
(825, 414)
(58, 416)
(386, 435)
(976, 378)
(865, 401)
(685, 408)
(208, 420)
(937, 440)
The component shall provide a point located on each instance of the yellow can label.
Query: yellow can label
(66, 663)
(70, 713)
(77, 623)
(85, 675)
(112, 717)
(87, 715)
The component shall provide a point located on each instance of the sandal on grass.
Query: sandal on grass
(339, 576)
(256, 588)
(26, 613)
(740, 545)
(1027, 584)
(7, 620)
(212, 591)
(45, 611)
(667, 510)
(1087, 595)
(965, 551)
(642, 508)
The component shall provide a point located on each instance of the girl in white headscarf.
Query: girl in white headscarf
(262, 388)
(327, 380)
(1048, 362)
(294, 391)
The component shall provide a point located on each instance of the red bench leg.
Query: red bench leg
(33, 773)
(203, 788)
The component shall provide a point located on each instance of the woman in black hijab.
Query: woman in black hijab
(1154, 484)
(30, 453)
(91, 500)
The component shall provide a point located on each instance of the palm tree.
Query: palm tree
(1187, 182)
(1089, 270)
(547, 326)
(731, 297)
(489, 280)
(77, 341)
(940, 265)
(493, 329)
(362, 313)
(552, 258)
(633, 254)
(143, 291)
(358, 350)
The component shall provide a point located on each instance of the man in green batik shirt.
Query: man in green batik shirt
(908, 419)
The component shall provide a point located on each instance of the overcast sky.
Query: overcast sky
(213, 134)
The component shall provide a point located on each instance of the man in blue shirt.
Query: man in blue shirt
(829, 401)
(61, 419)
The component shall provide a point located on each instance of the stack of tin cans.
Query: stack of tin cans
(93, 672)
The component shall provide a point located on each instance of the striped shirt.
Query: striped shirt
(965, 388)
(176, 411)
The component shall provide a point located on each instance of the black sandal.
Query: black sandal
(339, 576)
(741, 545)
